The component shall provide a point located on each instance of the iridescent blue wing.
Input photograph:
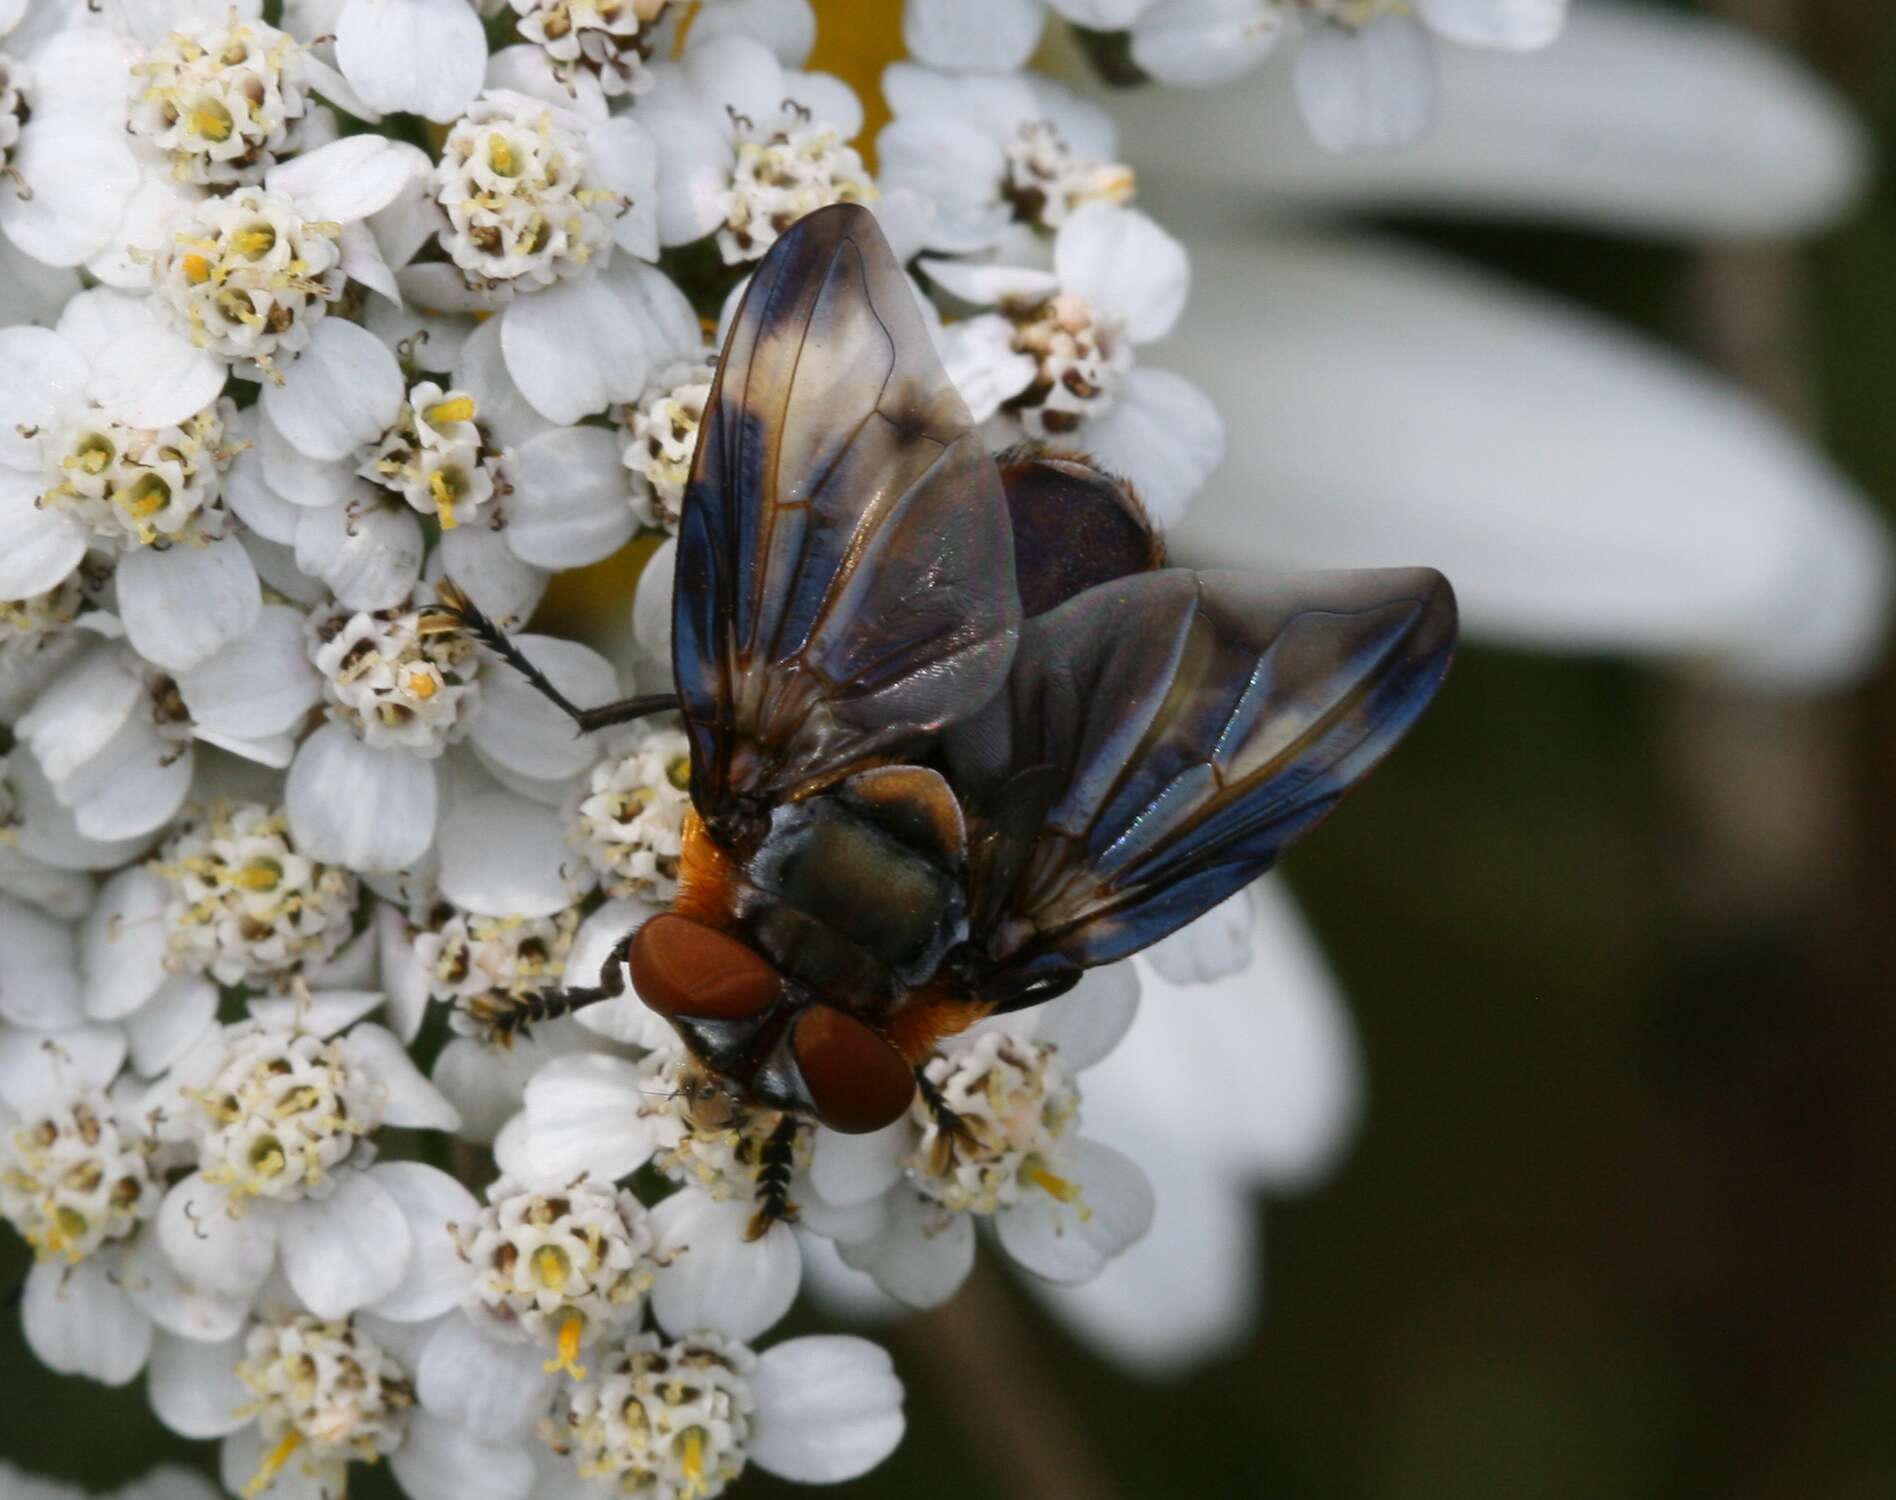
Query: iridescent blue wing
(845, 583)
(1164, 738)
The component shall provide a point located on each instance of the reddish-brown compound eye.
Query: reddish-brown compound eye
(683, 968)
(857, 1080)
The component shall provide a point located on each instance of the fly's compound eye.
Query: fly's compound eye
(857, 1081)
(684, 968)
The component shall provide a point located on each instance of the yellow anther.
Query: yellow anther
(196, 269)
(211, 120)
(500, 155)
(551, 1266)
(272, 1464)
(567, 1356)
(422, 685)
(693, 1460)
(454, 409)
(443, 493)
(258, 875)
(1059, 1187)
(255, 242)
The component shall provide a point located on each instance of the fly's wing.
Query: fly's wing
(845, 584)
(1164, 738)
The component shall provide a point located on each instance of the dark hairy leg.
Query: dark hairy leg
(549, 1005)
(774, 1165)
(460, 612)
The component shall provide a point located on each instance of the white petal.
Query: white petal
(523, 731)
(1274, 1041)
(626, 1019)
(160, 1032)
(96, 319)
(828, 99)
(122, 944)
(248, 493)
(156, 202)
(194, 1387)
(1599, 494)
(583, 1117)
(487, 569)
(31, 291)
(712, 1279)
(850, 1169)
(1197, 43)
(1090, 1020)
(183, 604)
(694, 164)
(37, 1066)
(1371, 89)
(260, 684)
(348, 179)
(82, 173)
(81, 713)
(570, 504)
(39, 970)
(78, 1322)
(1127, 267)
(1639, 118)
(481, 371)
(1213, 946)
(1071, 1242)
(344, 390)
(47, 833)
(1188, 1292)
(41, 375)
(923, 1253)
(440, 1461)
(485, 1083)
(787, 27)
(363, 263)
(652, 602)
(407, 1098)
(624, 160)
(208, 1247)
(133, 786)
(176, 1306)
(153, 377)
(435, 337)
(351, 805)
(323, 1013)
(58, 893)
(296, 477)
(996, 35)
(829, 1408)
(482, 1384)
(367, 550)
(979, 356)
(433, 1203)
(43, 546)
(573, 348)
(1514, 25)
(984, 284)
(527, 69)
(425, 57)
(348, 1250)
(1165, 435)
(504, 856)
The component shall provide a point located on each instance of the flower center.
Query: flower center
(223, 102)
(662, 433)
(611, 39)
(1046, 181)
(282, 1111)
(435, 457)
(326, 1393)
(660, 1419)
(630, 821)
(136, 486)
(396, 682)
(243, 903)
(564, 1271)
(486, 966)
(248, 278)
(71, 1180)
(521, 210)
(1081, 360)
(784, 170)
(1021, 1112)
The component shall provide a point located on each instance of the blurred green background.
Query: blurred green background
(1621, 1218)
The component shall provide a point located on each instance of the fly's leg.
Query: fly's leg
(458, 612)
(953, 1133)
(774, 1164)
(523, 1015)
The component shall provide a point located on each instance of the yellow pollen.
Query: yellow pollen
(211, 120)
(256, 876)
(500, 155)
(273, 1464)
(443, 493)
(567, 1357)
(253, 242)
(421, 685)
(456, 409)
(693, 1461)
(1059, 1187)
(196, 269)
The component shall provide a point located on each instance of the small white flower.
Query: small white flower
(661, 437)
(611, 40)
(397, 683)
(684, 1419)
(987, 151)
(434, 456)
(223, 100)
(1057, 362)
(630, 818)
(242, 903)
(746, 148)
(72, 1180)
(484, 967)
(565, 1269)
